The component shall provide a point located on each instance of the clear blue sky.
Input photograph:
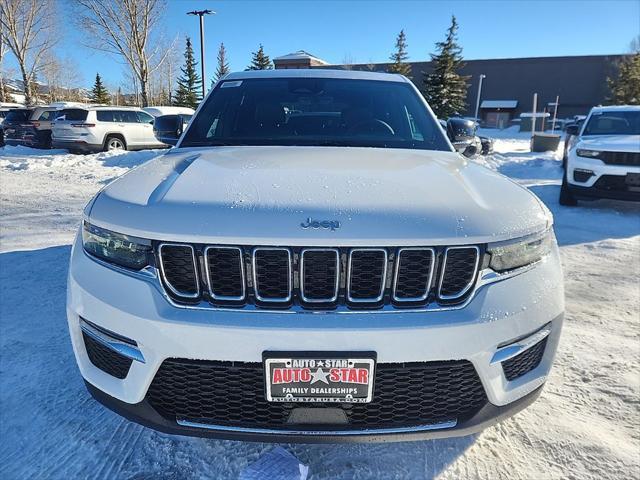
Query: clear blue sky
(365, 31)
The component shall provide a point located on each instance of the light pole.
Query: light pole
(201, 14)
(482, 76)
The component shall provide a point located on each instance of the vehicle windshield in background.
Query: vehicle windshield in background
(316, 112)
(613, 123)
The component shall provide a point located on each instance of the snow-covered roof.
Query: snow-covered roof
(610, 108)
(300, 55)
(317, 73)
(159, 110)
(499, 104)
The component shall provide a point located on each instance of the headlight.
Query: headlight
(518, 253)
(581, 152)
(123, 250)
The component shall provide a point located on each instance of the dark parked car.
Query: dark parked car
(169, 128)
(30, 127)
(464, 132)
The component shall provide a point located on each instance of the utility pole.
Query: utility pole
(201, 14)
(482, 76)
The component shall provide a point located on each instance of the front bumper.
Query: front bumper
(606, 181)
(500, 313)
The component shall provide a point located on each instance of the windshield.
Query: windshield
(315, 111)
(613, 123)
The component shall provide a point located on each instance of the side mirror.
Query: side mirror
(572, 129)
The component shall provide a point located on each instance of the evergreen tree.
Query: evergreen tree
(260, 61)
(625, 88)
(99, 94)
(444, 88)
(223, 65)
(188, 91)
(400, 57)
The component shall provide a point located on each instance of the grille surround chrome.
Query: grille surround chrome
(282, 300)
(167, 283)
(225, 298)
(397, 271)
(371, 300)
(336, 295)
(470, 284)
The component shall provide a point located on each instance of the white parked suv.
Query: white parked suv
(314, 262)
(94, 129)
(604, 160)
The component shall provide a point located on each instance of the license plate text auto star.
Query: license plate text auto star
(317, 379)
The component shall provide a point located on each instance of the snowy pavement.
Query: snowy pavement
(585, 425)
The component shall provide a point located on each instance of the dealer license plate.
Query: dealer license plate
(319, 378)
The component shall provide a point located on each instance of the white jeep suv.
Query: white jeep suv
(96, 129)
(314, 262)
(604, 160)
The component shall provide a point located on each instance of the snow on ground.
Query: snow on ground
(585, 425)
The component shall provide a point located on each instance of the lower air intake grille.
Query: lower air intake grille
(106, 359)
(458, 272)
(232, 394)
(525, 362)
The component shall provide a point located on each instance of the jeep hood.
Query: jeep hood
(262, 195)
(611, 143)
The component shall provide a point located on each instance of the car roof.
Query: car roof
(317, 73)
(616, 108)
(114, 107)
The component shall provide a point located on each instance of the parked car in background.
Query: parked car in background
(96, 129)
(604, 159)
(169, 128)
(571, 131)
(462, 130)
(168, 110)
(30, 127)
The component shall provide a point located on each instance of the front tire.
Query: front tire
(114, 143)
(566, 197)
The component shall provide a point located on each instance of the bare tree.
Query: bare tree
(126, 28)
(28, 27)
(3, 49)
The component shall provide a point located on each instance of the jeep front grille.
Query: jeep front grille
(620, 158)
(318, 278)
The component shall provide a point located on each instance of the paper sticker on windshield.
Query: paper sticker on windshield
(235, 83)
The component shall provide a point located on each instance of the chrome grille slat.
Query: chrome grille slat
(359, 293)
(456, 279)
(180, 274)
(272, 290)
(422, 270)
(309, 286)
(222, 276)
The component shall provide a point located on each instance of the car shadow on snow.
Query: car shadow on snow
(590, 221)
(50, 426)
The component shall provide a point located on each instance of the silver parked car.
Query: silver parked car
(95, 129)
